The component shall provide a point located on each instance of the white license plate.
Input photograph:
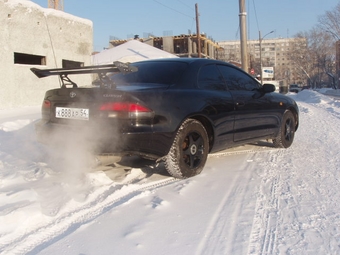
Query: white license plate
(72, 113)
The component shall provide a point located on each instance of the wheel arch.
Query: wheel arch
(296, 116)
(208, 128)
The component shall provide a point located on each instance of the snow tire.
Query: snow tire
(189, 151)
(285, 136)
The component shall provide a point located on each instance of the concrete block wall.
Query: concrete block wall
(30, 29)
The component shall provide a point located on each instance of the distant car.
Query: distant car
(305, 87)
(172, 110)
(294, 88)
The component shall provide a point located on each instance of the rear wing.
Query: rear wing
(101, 70)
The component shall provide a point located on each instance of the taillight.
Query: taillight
(46, 109)
(46, 104)
(126, 110)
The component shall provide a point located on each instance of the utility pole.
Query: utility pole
(243, 28)
(260, 42)
(56, 4)
(198, 32)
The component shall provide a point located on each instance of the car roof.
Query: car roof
(194, 65)
(189, 60)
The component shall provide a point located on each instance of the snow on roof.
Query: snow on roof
(130, 51)
(47, 11)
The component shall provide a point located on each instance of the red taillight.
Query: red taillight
(46, 104)
(126, 110)
(46, 109)
(138, 108)
(124, 107)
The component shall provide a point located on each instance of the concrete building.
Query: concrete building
(180, 45)
(32, 36)
(275, 53)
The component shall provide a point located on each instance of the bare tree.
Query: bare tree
(330, 22)
(314, 54)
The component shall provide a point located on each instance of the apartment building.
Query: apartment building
(275, 54)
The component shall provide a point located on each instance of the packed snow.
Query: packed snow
(252, 199)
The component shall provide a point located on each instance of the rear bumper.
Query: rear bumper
(99, 139)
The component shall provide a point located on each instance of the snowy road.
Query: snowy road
(250, 200)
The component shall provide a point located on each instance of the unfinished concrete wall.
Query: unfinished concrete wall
(168, 44)
(47, 37)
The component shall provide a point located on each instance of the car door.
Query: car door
(254, 116)
(219, 104)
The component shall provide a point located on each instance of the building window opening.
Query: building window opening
(29, 59)
(71, 64)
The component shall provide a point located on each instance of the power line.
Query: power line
(192, 9)
(173, 9)
(257, 22)
(186, 5)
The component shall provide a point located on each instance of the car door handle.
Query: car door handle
(240, 104)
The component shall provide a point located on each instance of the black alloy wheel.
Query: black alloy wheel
(286, 133)
(189, 150)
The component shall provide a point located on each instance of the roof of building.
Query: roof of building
(131, 51)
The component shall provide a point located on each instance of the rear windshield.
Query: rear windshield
(153, 72)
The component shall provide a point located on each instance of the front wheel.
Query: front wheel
(285, 137)
(189, 151)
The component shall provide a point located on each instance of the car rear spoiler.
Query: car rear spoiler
(101, 70)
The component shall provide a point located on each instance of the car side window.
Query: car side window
(210, 78)
(237, 80)
(151, 73)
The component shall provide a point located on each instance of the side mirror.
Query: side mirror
(267, 88)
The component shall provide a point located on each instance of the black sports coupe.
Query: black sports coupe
(176, 110)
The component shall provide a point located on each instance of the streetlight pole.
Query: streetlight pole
(243, 39)
(260, 40)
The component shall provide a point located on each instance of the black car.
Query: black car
(174, 110)
(294, 88)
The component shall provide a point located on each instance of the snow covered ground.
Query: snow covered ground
(252, 199)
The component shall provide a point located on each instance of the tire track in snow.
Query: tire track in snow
(263, 236)
(40, 237)
(222, 232)
(289, 208)
(102, 200)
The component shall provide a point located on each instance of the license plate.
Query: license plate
(72, 113)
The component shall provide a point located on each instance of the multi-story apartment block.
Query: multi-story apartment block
(275, 53)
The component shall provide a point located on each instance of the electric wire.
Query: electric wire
(173, 9)
(186, 5)
(192, 18)
(255, 13)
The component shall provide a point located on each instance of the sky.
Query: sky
(249, 200)
(218, 19)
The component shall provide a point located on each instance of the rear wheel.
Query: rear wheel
(285, 137)
(189, 151)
